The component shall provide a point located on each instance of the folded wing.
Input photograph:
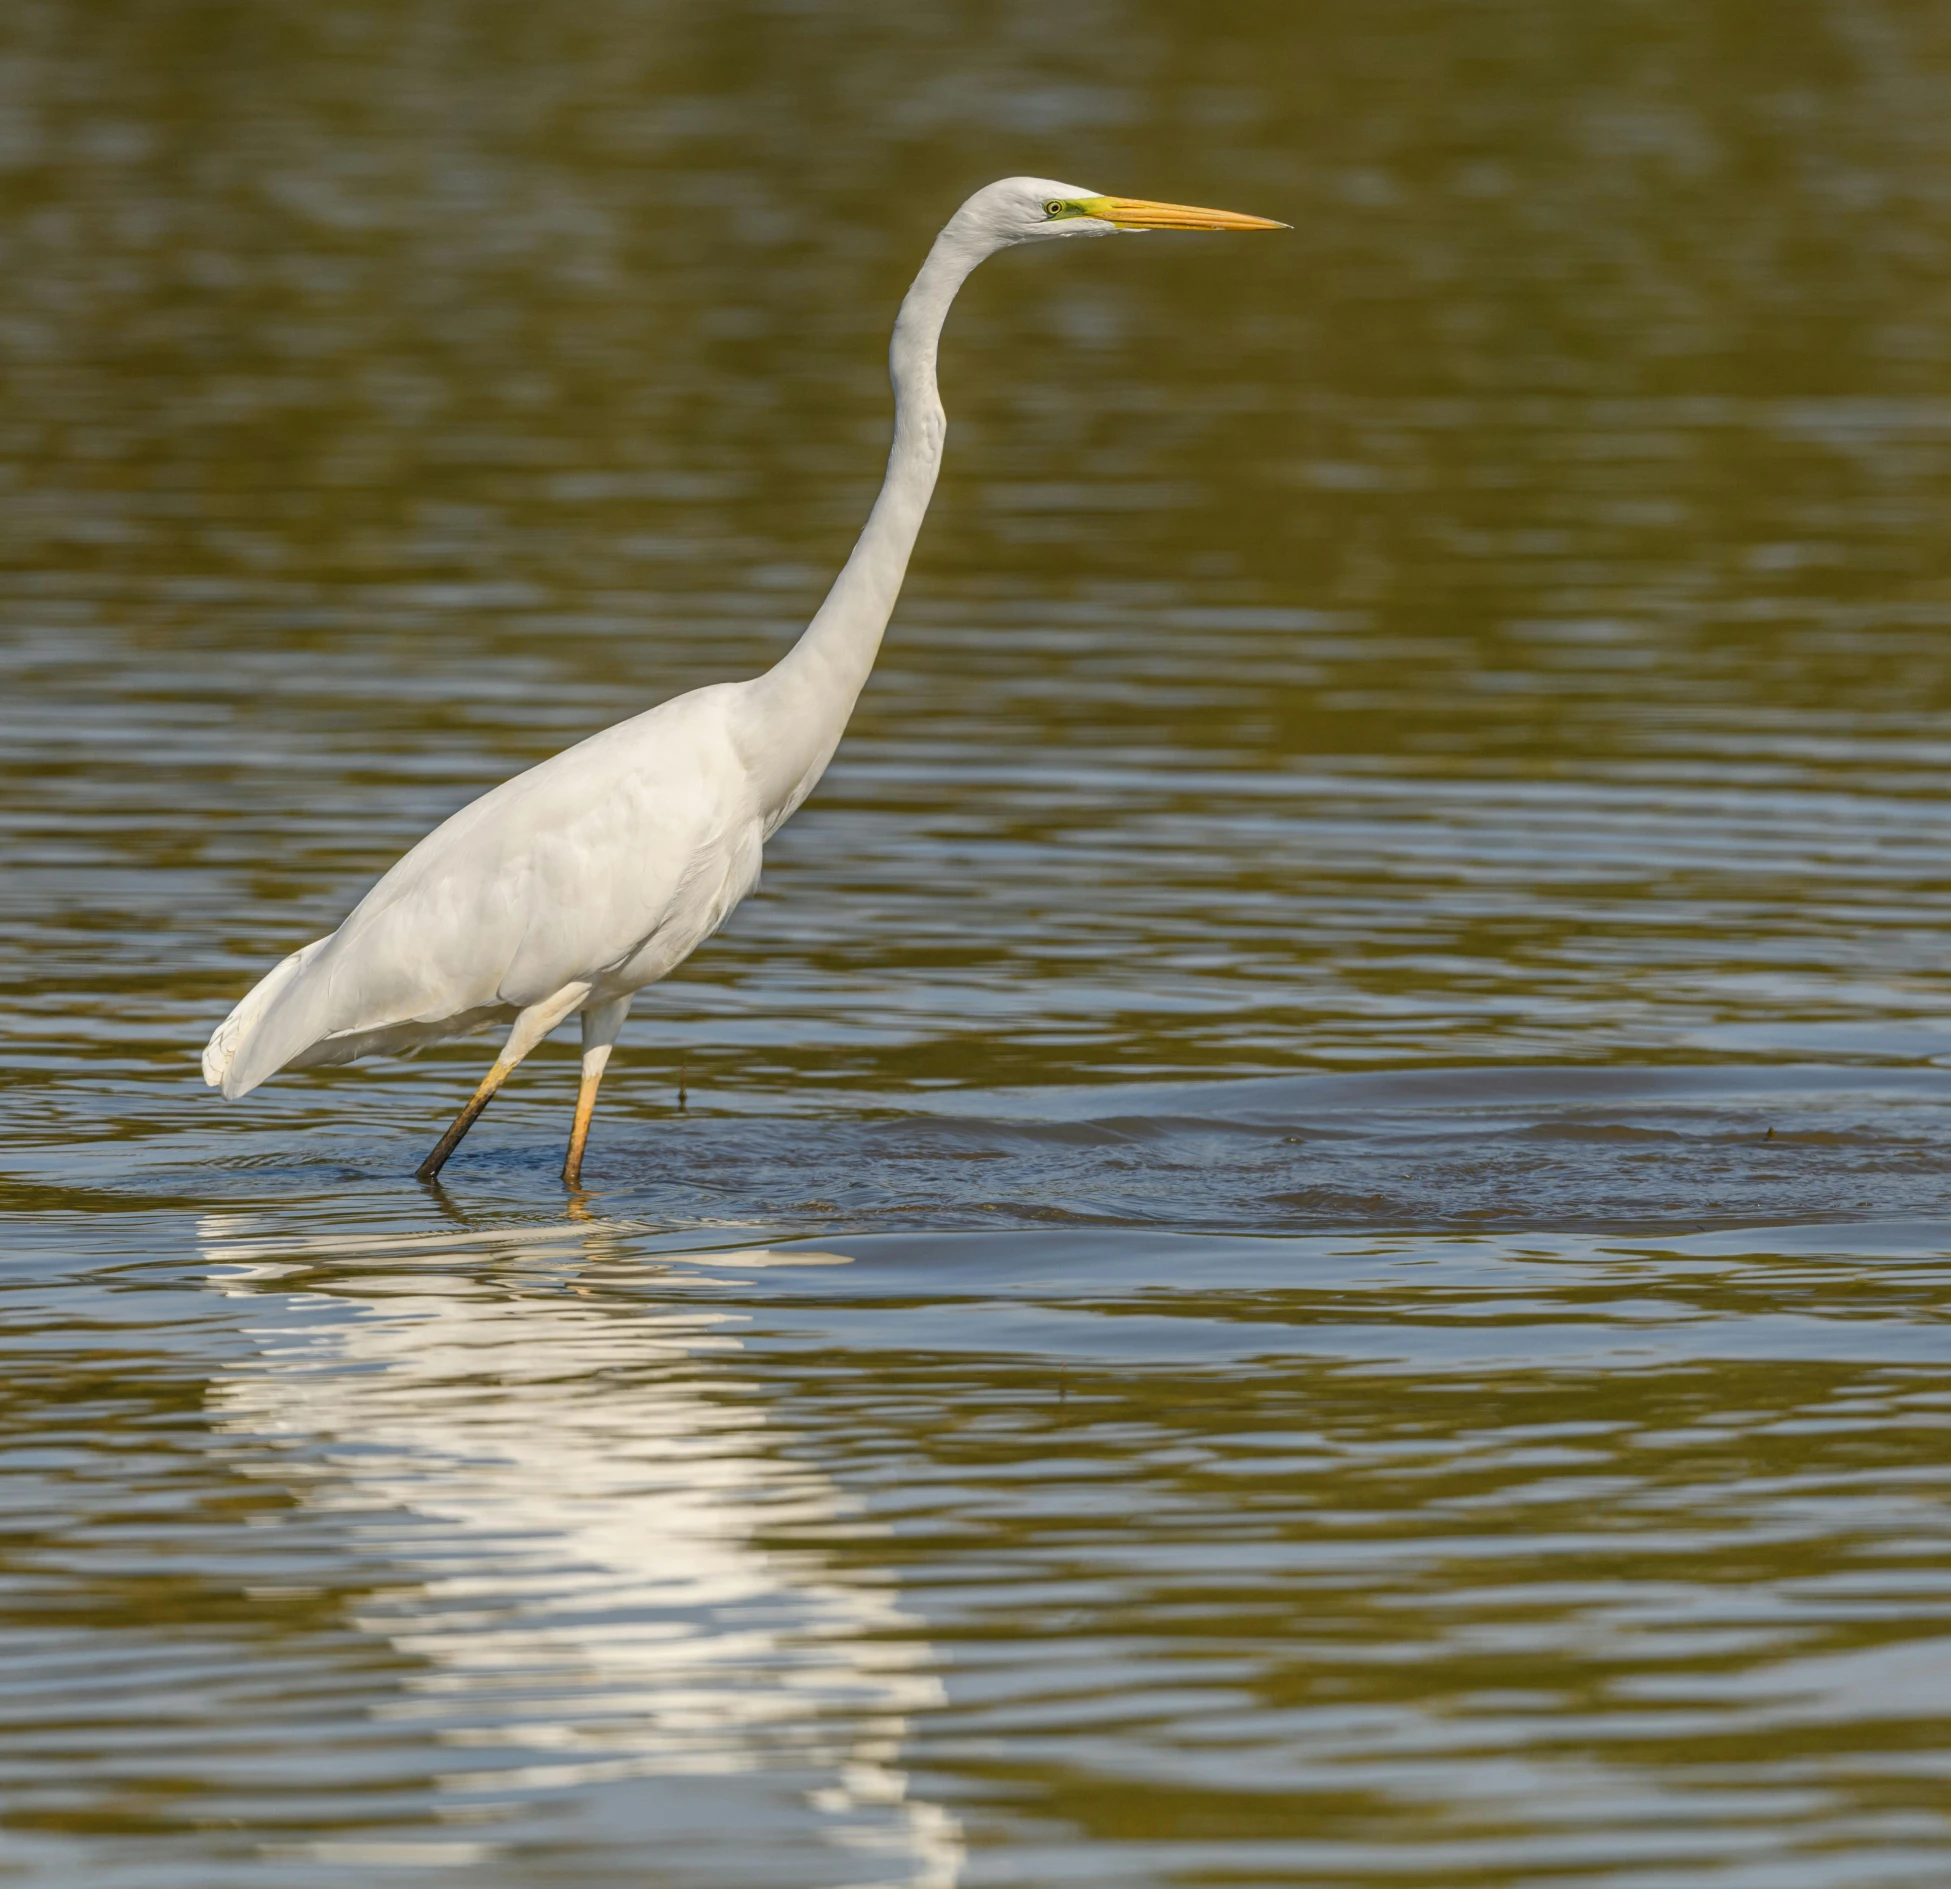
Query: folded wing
(563, 874)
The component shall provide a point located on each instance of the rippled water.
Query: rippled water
(1301, 1240)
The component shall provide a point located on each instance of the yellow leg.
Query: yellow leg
(572, 1166)
(601, 1022)
(530, 1028)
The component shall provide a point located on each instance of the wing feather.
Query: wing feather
(550, 878)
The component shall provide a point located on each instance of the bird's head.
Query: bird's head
(1032, 209)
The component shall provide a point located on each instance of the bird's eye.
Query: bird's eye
(1055, 207)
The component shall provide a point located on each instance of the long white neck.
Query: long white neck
(802, 703)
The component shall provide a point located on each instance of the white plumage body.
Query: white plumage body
(607, 865)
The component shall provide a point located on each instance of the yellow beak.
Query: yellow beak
(1134, 213)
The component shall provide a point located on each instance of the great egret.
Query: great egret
(572, 886)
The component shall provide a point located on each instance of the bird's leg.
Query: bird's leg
(431, 1166)
(601, 1022)
(530, 1028)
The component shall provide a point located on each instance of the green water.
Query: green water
(1306, 1238)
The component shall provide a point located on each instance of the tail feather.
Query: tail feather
(238, 1056)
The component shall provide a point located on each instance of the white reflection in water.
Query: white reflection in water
(581, 1489)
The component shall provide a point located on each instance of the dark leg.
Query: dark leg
(530, 1028)
(465, 1120)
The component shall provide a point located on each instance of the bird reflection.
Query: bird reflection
(582, 1490)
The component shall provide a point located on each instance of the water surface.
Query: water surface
(1302, 1238)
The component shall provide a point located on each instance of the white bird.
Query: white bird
(569, 888)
